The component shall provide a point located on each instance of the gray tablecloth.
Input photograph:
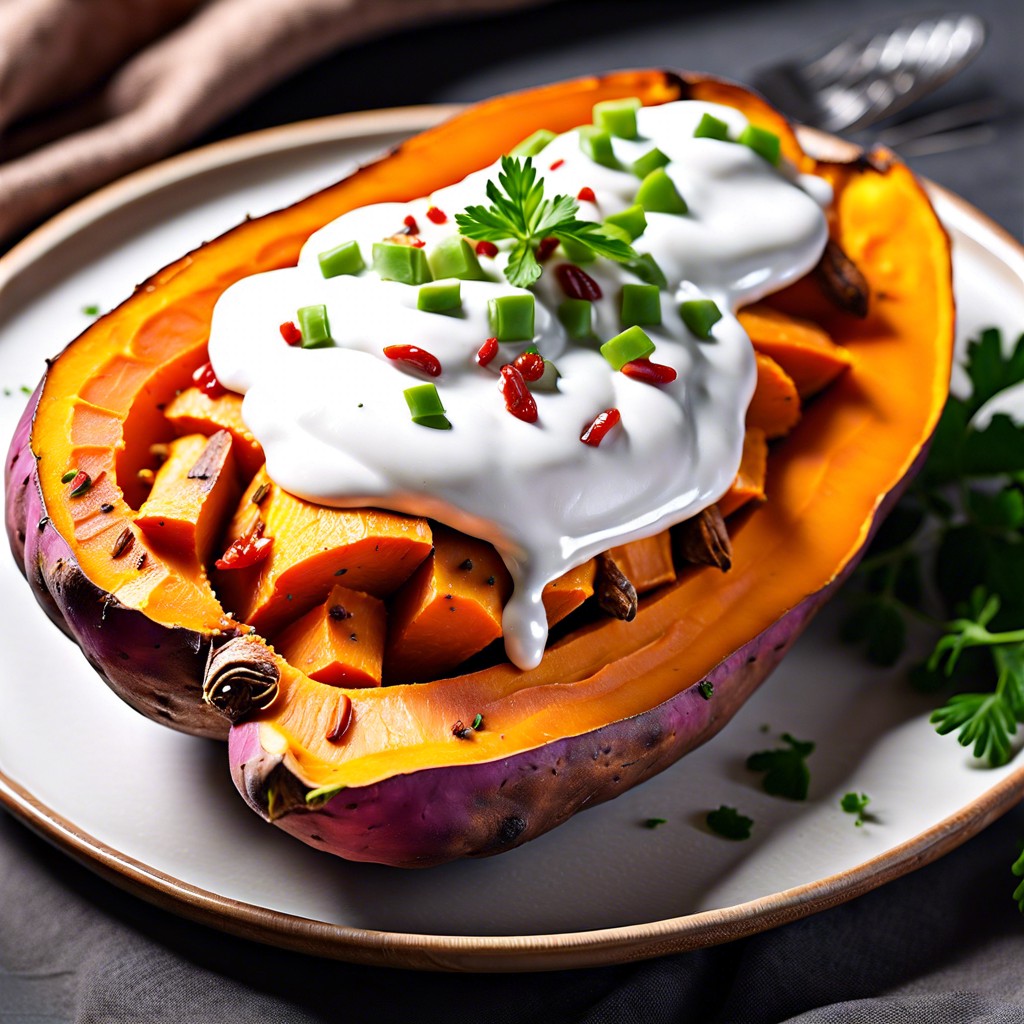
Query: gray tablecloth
(945, 944)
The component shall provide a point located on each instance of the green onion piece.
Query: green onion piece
(404, 263)
(649, 162)
(440, 298)
(576, 252)
(658, 194)
(700, 315)
(315, 327)
(646, 268)
(478, 722)
(425, 407)
(597, 144)
(342, 259)
(69, 476)
(711, 127)
(631, 344)
(454, 257)
(577, 317)
(631, 220)
(91, 310)
(618, 117)
(641, 305)
(532, 144)
(763, 142)
(511, 317)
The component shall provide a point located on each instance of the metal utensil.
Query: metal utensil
(873, 74)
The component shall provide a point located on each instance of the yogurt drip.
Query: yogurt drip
(334, 422)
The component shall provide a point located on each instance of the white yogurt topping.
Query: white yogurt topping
(336, 428)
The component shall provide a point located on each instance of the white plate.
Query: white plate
(156, 811)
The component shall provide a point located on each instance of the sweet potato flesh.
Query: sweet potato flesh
(106, 421)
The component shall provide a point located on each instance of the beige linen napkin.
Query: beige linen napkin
(154, 74)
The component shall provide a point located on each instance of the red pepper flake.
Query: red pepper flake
(545, 247)
(206, 380)
(250, 548)
(291, 333)
(586, 195)
(80, 483)
(486, 248)
(411, 227)
(460, 731)
(576, 283)
(487, 351)
(649, 373)
(420, 358)
(436, 216)
(417, 243)
(518, 399)
(558, 163)
(530, 365)
(598, 430)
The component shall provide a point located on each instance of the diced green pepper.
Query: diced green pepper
(342, 259)
(597, 144)
(425, 407)
(440, 298)
(454, 257)
(315, 327)
(631, 220)
(641, 305)
(511, 317)
(658, 194)
(700, 315)
(631, 344)
(577, 317)
(763, 142)
(711, 127)
(532, 144)
(649, 162)
(404, 263)
(646, 268)
(617, 117)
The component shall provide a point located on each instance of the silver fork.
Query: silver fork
(872, 75)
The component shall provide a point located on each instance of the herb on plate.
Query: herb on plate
(520, 213)
(786, 771)
(653, 823)
(961, 527)
(729, 823)
(856, 803)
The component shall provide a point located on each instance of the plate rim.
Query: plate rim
(424, 951)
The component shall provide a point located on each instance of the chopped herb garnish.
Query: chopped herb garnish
(706, 689)
(655, 822)
(25, 389)
(80, 483)
(786, 772)
(520, 213)
(322, 794)
(91, 310)
(69, 476)
(729, 823)
(478, 722)
(856, 803)
(1018, 870)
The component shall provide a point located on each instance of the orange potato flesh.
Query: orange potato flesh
(193, 411)
(775, 407)
(563, 596)
(750, 480)
(646, 563)
(340, 642)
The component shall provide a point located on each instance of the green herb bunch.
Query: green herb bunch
(952, 556)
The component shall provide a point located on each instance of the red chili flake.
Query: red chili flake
(250, 548)
(417, 243)
(648, 372)
(80, 483)
(603, 422)
(291, 333)
(418, 357)
(486, 249)
(558, 163)
(586, 195)
(545, 248)
(412, 227)
(576, 283)
(487, 351)
(206, 380)
(436, 216)
(530, 365)
(518, 399)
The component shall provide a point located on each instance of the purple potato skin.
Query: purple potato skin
(156, 669)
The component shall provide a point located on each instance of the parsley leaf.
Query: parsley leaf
(520, 213)
(729, 823)
(856, 803)
(653, 823)
(989, 370)
(786, 771)
(1018, 870)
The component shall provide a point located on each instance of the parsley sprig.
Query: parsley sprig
(519, 212)
(961, 528)
(786, 771)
